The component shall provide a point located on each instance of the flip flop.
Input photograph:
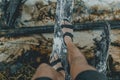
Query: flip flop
(55, 62)
(67, 26)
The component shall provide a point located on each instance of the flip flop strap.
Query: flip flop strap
(55, 62)
(60, 69)
(68, 34)
(65, 19)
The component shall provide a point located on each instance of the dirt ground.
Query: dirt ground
(82, 39)
(39, 13)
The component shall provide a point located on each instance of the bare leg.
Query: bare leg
(45, 70)
(77, 61)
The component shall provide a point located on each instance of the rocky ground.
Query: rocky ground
(19, 51)
(42, 12)
(16, 52)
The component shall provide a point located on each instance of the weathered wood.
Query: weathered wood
(116, 44)
(12, 11)
(26, 31)
(63, 11)
(102, 50)
(50, 28)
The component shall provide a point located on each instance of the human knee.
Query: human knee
(43, 65)
(44, 70)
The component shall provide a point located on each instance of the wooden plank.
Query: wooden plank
(63, 11)
(50, 28)
(102, 50)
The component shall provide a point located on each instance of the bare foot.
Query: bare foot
(64, 30)
(58, 65)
